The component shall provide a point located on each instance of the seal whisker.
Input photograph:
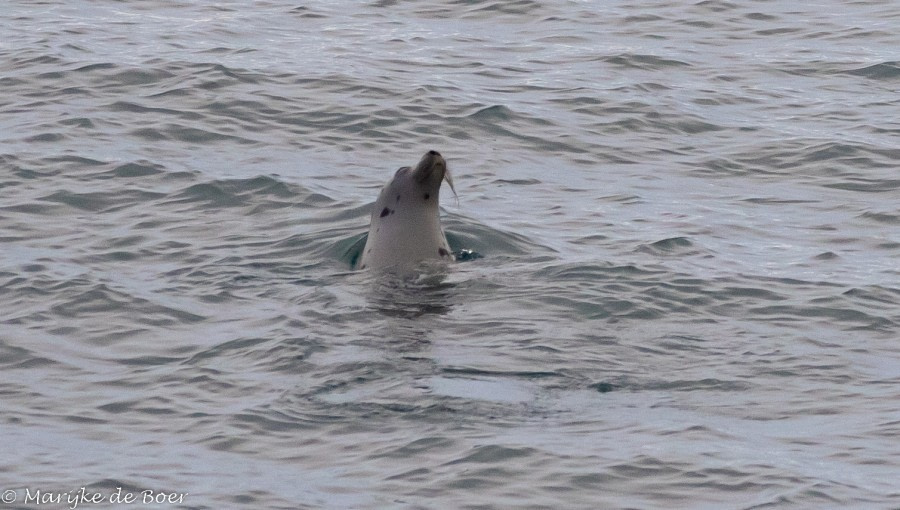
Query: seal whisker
(449, 180)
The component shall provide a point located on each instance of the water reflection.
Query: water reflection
(413, 295)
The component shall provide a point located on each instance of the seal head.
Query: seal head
(406, 224)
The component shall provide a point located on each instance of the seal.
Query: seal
(406, 224)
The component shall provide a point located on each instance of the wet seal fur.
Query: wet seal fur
(406, 223)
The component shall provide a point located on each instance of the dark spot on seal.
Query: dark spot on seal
(398, 198)
(385, 212)
(362, 266)
(442, 252)
(434, 153)
(427, 196)
(393, 211)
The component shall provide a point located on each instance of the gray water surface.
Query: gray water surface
(687, 216)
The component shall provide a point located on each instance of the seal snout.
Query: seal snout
(431, 167)
(431, 170)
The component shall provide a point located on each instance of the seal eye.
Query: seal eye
(427, 196)
(385, 212)
(434, 153)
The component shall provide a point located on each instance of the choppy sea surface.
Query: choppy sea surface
(687, 216)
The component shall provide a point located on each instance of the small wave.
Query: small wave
(13, 357)
(494, 113)
(680, 246)
(518, 182)
(866, 185)
(47, 138)
(882, 71)
(102, 201)
(515, 8)
(262, 192)
(187, 134)
(645, 62)
(142, 169)
(493, 454)
(888, 218)
(101, 300)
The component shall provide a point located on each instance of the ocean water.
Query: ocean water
(686, 215)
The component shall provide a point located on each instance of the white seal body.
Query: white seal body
(406, 224)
